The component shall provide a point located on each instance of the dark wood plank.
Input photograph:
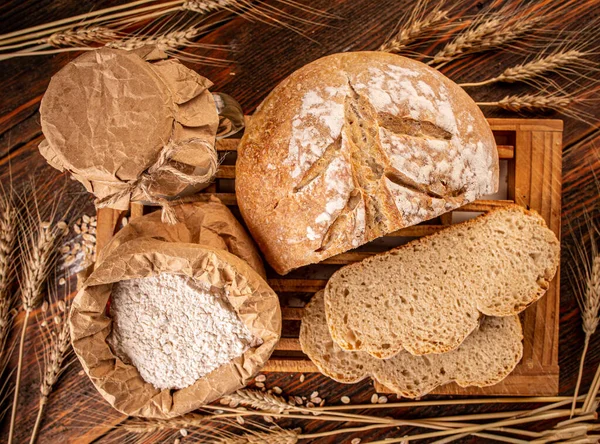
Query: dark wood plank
(262, 57)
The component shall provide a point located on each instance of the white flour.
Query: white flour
(173, 331)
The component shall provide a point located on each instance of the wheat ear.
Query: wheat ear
(560, 61)
(266, 402)
(57, 348)
(562, 102)
(8, 236)
(38, 253)
(489, 31)
(417, 26)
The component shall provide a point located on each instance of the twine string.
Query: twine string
(147, 178)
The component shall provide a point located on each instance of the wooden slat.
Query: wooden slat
(477, 206)
(136, 210)
(504, 151)
(291, 313)
(299, 285)
(106, 223)
(288, 344)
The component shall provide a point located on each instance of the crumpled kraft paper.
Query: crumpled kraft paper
(108, 115)
(143, 249)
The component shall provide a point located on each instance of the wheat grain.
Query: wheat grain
(563, 60)
(266, 402)
(417, 26)
(56, 351)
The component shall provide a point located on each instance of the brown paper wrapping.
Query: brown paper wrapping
(108, 114)
(145, 248)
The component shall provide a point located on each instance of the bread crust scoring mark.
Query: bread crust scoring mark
(370, 164)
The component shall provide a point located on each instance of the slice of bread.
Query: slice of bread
(486, 357)
(427, 296)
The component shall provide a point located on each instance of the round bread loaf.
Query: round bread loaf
(354, 146)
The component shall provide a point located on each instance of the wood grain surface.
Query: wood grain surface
(261, 56)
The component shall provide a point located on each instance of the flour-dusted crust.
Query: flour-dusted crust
(354, 146)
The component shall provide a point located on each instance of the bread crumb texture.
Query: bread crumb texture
(486, 356)
(358, 145)
(427, 296)
(173, 330)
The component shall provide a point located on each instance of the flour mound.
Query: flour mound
(173, 331)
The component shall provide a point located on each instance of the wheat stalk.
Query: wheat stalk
(38, 253)
(563, 60)
(57, 349)
(585, 276)
(87, 31)
(417, 26)
(275, 437)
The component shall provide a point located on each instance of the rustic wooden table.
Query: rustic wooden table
(261, 56)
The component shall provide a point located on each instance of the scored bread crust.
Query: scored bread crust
(485, 358)
(354, 146)
(427, 296)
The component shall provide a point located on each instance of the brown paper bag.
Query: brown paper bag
(131, 126)
(147, 247)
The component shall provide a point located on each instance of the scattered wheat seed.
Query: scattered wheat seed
(124, 221)
(76, 229)
(177, 441)
(345, 400)
(310, 405)
(62, 281)
(240, 420)
(260, 378)
(183, 432)
(302, 377)
(314, 394)
(260, 385)
(224, 401)
(57, 320)
(355, 441)
(277, 390)
(382, 400)
(316, 400)
(298, 400)
(268, 418)
(374, 398)
(87, 220)
(62, 306)
(44, 308)
(322, 403)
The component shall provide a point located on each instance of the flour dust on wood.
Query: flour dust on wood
(174, 331)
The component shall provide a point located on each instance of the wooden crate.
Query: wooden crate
(532, 152)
